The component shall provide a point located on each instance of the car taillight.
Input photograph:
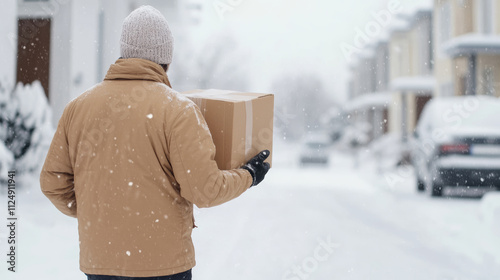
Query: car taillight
(454, 149)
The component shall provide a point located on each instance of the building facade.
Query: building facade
(467, 36)
(369, 99)
(411, 80)
(392, 80)
(68, 45)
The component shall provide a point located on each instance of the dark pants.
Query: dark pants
(181, 276)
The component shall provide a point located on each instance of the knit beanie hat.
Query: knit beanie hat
(146, 35)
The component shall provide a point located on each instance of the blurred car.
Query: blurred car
(314, 149)
(457, 143)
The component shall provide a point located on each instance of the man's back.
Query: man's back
(141, 155)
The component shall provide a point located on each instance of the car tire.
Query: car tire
(420, 185)
(437, 190)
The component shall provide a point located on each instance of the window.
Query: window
(487, 84)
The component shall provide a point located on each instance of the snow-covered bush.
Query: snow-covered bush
(25, 128)
(6, 162)
(354, 136)
(388, 150)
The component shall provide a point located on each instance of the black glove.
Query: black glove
(257, 167)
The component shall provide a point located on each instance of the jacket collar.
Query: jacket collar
(137, 69)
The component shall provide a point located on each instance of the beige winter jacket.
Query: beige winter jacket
(129, 159)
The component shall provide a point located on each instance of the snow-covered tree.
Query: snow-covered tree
(302, 99)
(25, 128)
(221, 65)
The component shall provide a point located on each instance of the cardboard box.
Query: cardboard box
(241, 124)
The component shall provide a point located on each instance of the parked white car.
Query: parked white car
(457, 143)
(315, 149)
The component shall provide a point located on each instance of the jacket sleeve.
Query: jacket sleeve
(192, 154)
(56, 177)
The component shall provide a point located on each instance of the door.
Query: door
(33, 51)
(421, 101)
(462, 85)
(385, 125)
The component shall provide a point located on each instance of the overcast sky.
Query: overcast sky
(298, 36)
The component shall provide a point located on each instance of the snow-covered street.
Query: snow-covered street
(360, 106)
(376, 232)
(334, 222)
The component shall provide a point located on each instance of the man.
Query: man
(129, 159)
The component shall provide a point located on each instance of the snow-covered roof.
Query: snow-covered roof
(472, 43)
(419, 14)
(384, 37)
(367, 53)
(399, 25)
(405, 21)
(414, 84)
(373, 99)
(402, 22)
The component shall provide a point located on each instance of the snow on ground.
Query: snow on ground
(47, 240)
(378, 231)
(333, 222)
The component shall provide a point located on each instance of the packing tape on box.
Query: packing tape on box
(249, 126)
(226, 95)
(200, 101)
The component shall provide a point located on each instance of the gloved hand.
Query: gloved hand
(257, 167)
